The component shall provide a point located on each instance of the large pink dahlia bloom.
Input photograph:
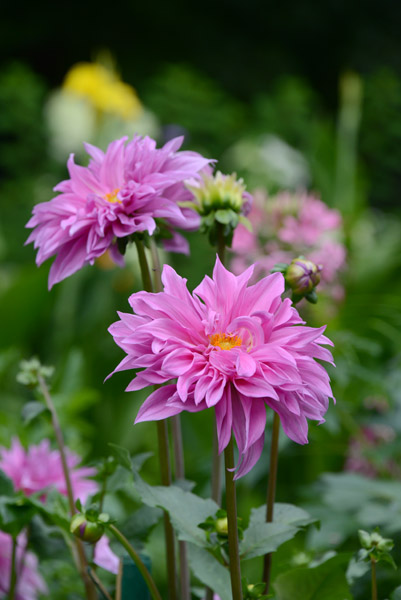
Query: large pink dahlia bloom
(39, 469)
(29, 581)
(121, 192)
(231, 347)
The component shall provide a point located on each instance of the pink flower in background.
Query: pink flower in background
(39, 469)
(230, 346)
(104, 557)
(121, 192)
(290, 225)
(29, 581)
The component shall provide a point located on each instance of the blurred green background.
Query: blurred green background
(325, 80)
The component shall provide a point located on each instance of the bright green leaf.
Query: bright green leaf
(6, 485)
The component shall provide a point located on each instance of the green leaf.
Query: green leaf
(139, 459)
(261, 537)
(223, 216)
(6, 485)
(246, 223)
(121, 455)
(15, 514)
(186, 509)
(396, 595)
(31, 410)
(209, 571)
(139, 525)
(325, 581)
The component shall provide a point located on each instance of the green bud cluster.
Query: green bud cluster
(31, 370)
(375, 547)
(253, 591)
(223, 203)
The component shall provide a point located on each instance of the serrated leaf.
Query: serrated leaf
(209, 571)
(186, 509)
(261, 538)
(121, 455)
(31, 410)
(325, 581)
(6, 485)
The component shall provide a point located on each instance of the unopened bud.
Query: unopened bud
(303, 276)
(88, 531)
(222, 526)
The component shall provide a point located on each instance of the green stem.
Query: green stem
(177, 441)
(165, 472)
(143, 263)
(221, 244)
(231, 505)
(164, 459)
(82, 562)
(13, 573)
(216, 458)
(374, 583)
(135, 557)
(271, 494)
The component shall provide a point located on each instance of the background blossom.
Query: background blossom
(290, 225)
(29, 581)
(231, 347)
(39, 468)
(121, 192)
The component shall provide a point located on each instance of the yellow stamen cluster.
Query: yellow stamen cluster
(112, 196)
(224, 341)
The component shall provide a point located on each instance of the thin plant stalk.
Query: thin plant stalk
(216, 458)
(13, 572)
(164, 454)
(99, 584)
(231, 505)
(177, 442)
(137, 560)
(374, 582)
(82, 562)
(271, 493)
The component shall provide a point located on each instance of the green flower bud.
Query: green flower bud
(88, 531)
(303, 276)
(365, 539)
(222, 526)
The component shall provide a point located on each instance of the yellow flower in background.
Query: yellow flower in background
(102, 87)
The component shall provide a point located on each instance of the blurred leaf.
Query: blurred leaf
(396, 595)
(121, 455)
(140, 524)
(31, 410)
(209, 571)
(6, 485)
(186, 509)
(261, 537)
(325, 581)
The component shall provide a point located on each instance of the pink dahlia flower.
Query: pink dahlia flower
(29, 581)
(121, 192)
(290, 225)
(40, 469)
(230, 346)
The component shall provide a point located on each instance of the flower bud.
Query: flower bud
(222, 526)
(88, 531)
(303, 276)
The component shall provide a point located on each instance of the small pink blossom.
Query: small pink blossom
(121, 192)
(104, 557)
(39, 469)
(230, 346)
(290, 225)
(29, 581)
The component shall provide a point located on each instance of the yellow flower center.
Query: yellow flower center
(224, 341)
(112, 196)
